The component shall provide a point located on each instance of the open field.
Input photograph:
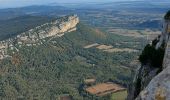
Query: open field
(104, 47)
(104, 89)
(149, 34)
(65, 97)
(120, 50)
(121, 95)
(91, 45)
(109, 48)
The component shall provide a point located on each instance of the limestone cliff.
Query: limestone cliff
(34, 36)
(153, 83)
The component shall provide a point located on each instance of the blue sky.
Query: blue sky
(18, 3)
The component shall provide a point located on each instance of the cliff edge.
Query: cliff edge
(152, 80)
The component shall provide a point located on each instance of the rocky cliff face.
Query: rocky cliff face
(153, 83)
(34, 36)
(159, 87)
(165, 33)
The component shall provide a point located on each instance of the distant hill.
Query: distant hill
(9, 13)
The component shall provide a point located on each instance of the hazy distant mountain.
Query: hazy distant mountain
(33, 10)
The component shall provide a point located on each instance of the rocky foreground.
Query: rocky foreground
(153, 83)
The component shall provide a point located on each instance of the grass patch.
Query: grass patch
(119, 95)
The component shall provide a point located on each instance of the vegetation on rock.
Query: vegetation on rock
(152, 56)
(167, 16)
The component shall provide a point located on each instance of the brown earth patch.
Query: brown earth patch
(104, 89)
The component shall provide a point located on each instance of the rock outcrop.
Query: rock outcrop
(34, 36)
(159, 86)
(152, 83)
(165, 33)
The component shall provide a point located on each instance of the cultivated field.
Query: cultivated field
(104, 89)
(148, 34)
(121, 95)
(109, 48)
(104, 47)
(91, 45)
(120, 50)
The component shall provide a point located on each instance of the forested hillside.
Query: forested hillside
(60, 65)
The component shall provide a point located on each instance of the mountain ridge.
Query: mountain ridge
(32, 36)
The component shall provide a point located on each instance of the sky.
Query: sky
(20, 3)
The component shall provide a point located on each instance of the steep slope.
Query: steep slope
(152, 79)
(159, 87)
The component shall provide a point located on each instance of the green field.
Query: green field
(119, 95)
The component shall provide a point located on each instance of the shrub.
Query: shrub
(152, 56)
(167, 15)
